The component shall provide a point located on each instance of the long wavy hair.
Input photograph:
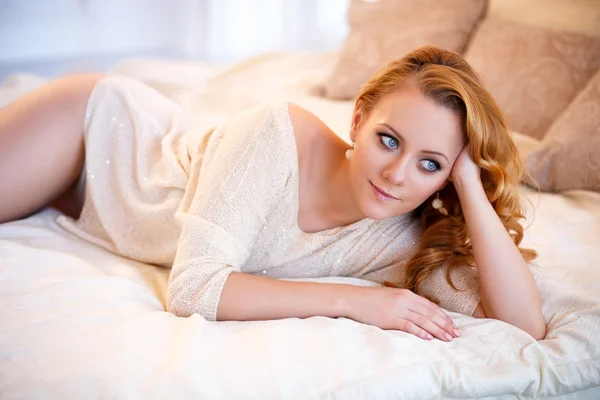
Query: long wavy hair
(449, 80)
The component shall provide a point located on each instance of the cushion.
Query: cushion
(533, 72)
(381, 31)
(569, 155)
(567, 15)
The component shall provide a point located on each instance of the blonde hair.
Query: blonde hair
(448, 79)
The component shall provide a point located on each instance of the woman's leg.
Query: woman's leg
(41, 145)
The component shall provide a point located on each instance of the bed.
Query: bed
(78, 322)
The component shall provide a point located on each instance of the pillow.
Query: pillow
(533, 72)
(569, 155)
(381, 31)
(525, 144)
(569, 15)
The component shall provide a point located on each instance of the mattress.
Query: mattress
(78, 322)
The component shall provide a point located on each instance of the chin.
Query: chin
(376, 211)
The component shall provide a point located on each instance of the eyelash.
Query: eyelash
(384, 135)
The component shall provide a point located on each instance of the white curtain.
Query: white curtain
(33, 30)
(238, 28)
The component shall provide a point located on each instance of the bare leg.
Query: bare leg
(41, 145)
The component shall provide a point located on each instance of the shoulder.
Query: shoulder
(265, 115)
(250, 155)
(259, 128)
(303, 120)
(311, 133)
(280, 118)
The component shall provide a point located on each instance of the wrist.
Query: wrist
(345, 299)
(466, 184)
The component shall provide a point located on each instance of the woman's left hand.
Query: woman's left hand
(464, 169)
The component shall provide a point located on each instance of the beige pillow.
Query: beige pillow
(569, 155)
(533, 72)
(381, 31)
(568, 15)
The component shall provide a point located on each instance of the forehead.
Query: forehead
(419, 119)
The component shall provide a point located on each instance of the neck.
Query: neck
(336, 206)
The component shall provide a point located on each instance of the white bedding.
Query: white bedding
(78, 322)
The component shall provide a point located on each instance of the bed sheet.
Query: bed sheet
(79, 322)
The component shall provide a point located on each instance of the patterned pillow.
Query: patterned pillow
(381, 31)
(566, 15)
(569, 155)
(533, 72)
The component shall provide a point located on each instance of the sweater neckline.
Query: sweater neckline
(295, 185)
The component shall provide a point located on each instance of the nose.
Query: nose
(395, 172)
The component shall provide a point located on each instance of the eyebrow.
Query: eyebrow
(402, 139)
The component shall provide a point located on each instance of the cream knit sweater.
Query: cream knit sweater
(210, 203)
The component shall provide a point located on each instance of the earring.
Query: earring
(438, 204)
(349, 153)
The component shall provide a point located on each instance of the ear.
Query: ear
(357, 117)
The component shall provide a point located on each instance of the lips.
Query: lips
(381, 194)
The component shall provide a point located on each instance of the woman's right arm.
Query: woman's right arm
(248, 297)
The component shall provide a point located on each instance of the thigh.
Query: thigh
(41, 145)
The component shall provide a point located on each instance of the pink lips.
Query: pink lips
(382, 195)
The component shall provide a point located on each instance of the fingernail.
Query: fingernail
(448, 336)
(429, 336)
(456, 332)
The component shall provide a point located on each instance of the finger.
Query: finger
(428, 325)
(433, 312)
(440, 318)
(409, 327)
(443, 320)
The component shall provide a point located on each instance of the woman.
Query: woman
(425, 198)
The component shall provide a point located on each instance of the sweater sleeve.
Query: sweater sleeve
(464, 300)
(230, 193)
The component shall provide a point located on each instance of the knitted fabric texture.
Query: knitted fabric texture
(208, 203)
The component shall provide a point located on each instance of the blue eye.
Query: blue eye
(429, 165)
(389, 141)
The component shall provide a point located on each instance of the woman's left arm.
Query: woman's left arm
(507, 289)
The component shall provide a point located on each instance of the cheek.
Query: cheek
(424, 185)
(365, 160)
(357, 173)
